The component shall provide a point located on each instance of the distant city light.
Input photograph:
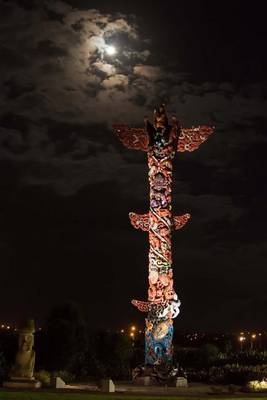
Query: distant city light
(133, 328)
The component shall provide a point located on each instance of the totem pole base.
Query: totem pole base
(21, 383)
(143, 381)
(155, 375)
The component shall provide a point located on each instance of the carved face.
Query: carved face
(153, 277)
(160, 118)
(159, 181)
(25, 342)
(161, 331)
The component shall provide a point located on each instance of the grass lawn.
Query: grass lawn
(8, 395)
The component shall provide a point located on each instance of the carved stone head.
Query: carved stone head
(26, 338)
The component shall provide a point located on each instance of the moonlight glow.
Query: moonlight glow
(111, 50)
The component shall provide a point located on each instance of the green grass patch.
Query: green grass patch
(8, 395)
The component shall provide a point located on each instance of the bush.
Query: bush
(197, 375)
(44, 377)
(209, 354)
(251, 357)
(3, 367)
(257, 386)
(67, 376)
(237, 374)
(198, 358)
(110, 355)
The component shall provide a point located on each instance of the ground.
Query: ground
(43, 395)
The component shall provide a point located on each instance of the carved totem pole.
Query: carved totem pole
(161, 141)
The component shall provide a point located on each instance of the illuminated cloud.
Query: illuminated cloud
(116, 81)
(108, 69)
(148, 71)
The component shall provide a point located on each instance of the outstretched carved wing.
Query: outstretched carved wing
(140, 221)
(179, 221)
(191, 138)
(133, 138)
(141, 305)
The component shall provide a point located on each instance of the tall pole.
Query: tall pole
(161, 141)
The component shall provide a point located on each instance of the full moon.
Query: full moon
(111, 50)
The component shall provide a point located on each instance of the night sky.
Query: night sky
(67, 184)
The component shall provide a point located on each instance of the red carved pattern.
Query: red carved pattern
(140, 221)
(180, 221)
(191, 138)
(160, 216)
(133, 138)
(141, 305)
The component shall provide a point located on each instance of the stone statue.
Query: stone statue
(25, 357)
(21, 374)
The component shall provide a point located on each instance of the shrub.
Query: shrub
(44, 377)
(197, 375)
(3, 367)
(257, 386)
(67, 376)
(237, 374)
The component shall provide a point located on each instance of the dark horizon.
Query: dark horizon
(67, 184)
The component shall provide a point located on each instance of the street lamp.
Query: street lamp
(241, 340)
(253, 338)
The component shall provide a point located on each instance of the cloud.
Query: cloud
(108, 69)
(116, 81)
(58, 55)
(62, 69)
(148, 71)
(55, 71)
